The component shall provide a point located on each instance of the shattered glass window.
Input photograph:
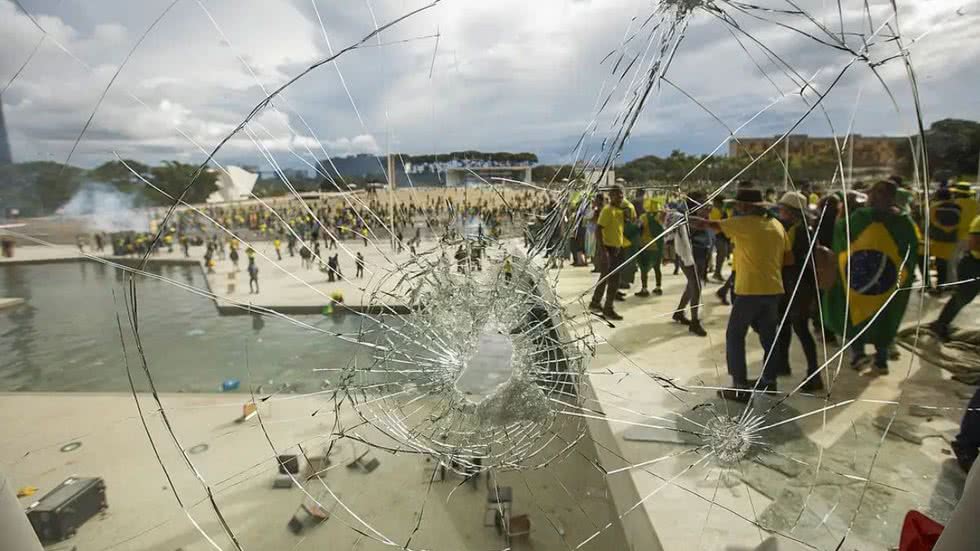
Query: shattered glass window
(249, 300)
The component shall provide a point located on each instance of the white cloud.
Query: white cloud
(508, 75)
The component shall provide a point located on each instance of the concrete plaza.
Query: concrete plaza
(824, 469)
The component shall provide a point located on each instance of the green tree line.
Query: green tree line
(41, 187)
(953, 147)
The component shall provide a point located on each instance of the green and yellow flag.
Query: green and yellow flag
(881, 258)
(945, 218)
(650, 229)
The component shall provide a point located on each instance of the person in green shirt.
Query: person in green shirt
(877, 250)
(652, 248)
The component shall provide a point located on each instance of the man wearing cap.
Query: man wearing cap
(877, 248)
(800, 290)
(761, 249)
(611, 223)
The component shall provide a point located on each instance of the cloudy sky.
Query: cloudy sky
(514, 75)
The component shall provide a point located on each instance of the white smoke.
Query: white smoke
(106, 209)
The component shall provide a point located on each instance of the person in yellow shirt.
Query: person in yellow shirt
(762, 250)
(965, 198)
(612, 224)
(966, 290)
(945, 217)
(966, 445)
(277, 245)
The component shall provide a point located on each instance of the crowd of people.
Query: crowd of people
(342, 217)
(298, 228)
(843, 264)
(804, 262)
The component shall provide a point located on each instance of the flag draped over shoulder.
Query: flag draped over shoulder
(651, 229)
(881, 259)
(944, 221)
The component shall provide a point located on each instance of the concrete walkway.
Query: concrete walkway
(709, 507)
(811, 483)
(238, 462)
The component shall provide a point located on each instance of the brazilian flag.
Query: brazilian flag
(653, 254)
(944, 222)
(879, 243)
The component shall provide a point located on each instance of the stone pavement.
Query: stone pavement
(238, 462)
(806, 483)
(809, 482)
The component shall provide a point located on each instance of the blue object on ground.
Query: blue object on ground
(229, 384)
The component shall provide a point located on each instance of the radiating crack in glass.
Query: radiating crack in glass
(475, 362)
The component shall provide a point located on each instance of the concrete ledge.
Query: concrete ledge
(313, 309)
(123, 260)
(623, 492)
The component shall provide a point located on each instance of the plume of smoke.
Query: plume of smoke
(107, 209)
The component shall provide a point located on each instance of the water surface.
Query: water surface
(65, 337)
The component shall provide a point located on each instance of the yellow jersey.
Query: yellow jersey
(761, 244)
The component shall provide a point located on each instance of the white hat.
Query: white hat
(794, 200)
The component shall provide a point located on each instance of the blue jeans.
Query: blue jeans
(761, 313)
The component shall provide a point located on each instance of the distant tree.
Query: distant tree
(56, 183)
(546, 174)
(116, 173)
(173, 176)
(953, 146)
(268, 187)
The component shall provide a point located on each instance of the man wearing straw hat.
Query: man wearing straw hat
(761, 248)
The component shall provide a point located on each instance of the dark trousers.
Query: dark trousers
(701, 258)
(761, 313)
(721, 253)
(728, 287)
(964, 293)
(858, 353)
(797, 321)
(656, 273)
(628, 274)
(692, 292)
(609, 284)
(942, 271)
(695, 281)
(966, 445)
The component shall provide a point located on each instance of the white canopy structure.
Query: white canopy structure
(234, 184)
